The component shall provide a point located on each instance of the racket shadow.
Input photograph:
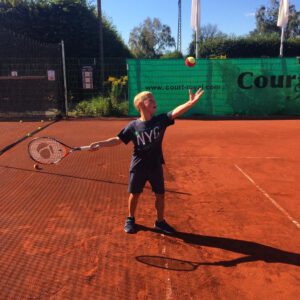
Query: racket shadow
(174, 264)
(251, 251)
(167, 263)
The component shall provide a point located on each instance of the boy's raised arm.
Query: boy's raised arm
(193, 99)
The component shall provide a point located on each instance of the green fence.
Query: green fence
(257, 87)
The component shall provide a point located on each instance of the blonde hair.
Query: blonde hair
(140, 97)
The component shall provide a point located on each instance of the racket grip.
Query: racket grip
(89, 148)
(85, 148)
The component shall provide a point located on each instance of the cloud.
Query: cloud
(251, 14)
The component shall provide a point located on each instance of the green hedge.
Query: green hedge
(249, 47)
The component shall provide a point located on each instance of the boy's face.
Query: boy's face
(149, 104)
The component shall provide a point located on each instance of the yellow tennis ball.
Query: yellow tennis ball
(39, 128)
(28, 134)
(21, 121)
(42, 121)
(36, 167)
(190, 61)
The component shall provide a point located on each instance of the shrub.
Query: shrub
(100, 106)
(121, 109)
(118, 89)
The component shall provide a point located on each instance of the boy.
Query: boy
(147, 133)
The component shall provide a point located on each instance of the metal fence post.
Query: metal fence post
(65, 77)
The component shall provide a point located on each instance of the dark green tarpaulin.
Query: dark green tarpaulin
(260, 87)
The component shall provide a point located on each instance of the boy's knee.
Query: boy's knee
(134, 195)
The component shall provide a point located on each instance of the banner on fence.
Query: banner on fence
(260, 87)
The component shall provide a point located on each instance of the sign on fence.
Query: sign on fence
(261, 87)
(87, 77)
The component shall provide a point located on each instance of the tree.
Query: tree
(207, 33)
(266, 21)
(73, 21)
(150, 39)
(172, 55)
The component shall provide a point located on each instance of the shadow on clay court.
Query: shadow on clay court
(85, 178)
(252, 251)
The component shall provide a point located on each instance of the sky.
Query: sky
(235, 17)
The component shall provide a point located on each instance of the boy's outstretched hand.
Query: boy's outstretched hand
(193, 98)
(94, 146)
(181, 109)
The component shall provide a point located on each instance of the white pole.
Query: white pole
(281, 42)
(101, 54)
(65, 77)
(195, 22)
(283, 18)
(197, 42)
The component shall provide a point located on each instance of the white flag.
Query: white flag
(195, 15)
(283, 14)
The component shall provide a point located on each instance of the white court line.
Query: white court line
(169, 291)
(247, 157)
(266, 157)
(297, 224)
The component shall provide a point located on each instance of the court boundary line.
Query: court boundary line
(169, 290)
(242, 157)
(273, 201)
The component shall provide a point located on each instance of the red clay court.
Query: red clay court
(232, 193)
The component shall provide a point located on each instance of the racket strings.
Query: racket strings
(47, 151)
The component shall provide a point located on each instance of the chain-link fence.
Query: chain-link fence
(84, 79)
(31, 82)
(32, 79)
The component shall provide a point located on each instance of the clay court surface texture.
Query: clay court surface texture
(233, 191)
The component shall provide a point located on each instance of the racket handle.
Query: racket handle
(85, 148)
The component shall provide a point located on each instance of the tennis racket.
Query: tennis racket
(47, 150)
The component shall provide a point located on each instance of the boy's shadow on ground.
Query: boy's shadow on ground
(252, 252)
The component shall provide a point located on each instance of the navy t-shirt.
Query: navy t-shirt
(147, 138)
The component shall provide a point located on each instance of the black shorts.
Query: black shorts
(138, 179)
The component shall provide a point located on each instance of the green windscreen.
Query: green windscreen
(261, 87)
